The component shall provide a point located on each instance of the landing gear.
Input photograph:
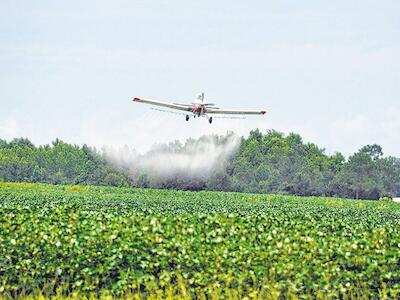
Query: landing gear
(210, 120)
(187, 118)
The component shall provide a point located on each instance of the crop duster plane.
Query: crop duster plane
(199, 109)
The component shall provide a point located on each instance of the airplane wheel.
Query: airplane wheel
(187, 117)
(210, 120)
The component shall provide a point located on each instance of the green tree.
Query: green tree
(374, 151)
(359, 177)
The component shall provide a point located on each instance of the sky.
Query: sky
(328, 70)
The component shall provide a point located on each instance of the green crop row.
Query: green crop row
(94, 240)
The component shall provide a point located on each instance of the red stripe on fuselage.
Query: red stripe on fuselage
(197, 109)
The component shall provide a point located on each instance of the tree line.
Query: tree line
(263, 163)
(273, 162)
(58, 163)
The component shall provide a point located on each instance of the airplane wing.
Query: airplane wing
(234, 112)
(183, 107)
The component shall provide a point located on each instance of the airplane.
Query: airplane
(198, 108)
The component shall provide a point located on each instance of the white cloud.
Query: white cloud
(391, 126)
(381, 127)
(9, 128)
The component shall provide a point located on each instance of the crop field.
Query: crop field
(85, 241)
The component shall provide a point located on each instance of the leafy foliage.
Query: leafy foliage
(61, 163)
(278, 164)
(94, 239)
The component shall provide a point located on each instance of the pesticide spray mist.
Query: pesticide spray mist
(178, 165)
